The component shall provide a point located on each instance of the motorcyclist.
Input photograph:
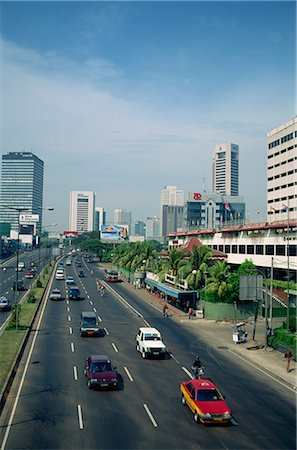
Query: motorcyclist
(197, 367)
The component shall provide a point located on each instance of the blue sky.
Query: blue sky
(124, 98)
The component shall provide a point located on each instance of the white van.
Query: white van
(60, 275)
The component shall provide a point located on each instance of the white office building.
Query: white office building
(152, 228)
(82, 211)
(170, 197)
(225, 168)
(282, 172)
(99, 218)
(123, 217)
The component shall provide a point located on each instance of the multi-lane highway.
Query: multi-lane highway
(54, 409)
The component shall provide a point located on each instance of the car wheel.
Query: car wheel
(183, 400)
(143, 354)
(89, 384)
(196, 417)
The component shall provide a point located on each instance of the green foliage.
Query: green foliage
(38, 283)
(281, 284)
(281, 336)
(218, 280)
(15, 317)
(247, 268)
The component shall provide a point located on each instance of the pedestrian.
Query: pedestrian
(288, 356)
(165, 310)
(190, 312)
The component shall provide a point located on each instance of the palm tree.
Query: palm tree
(218, 280)
(196, 267)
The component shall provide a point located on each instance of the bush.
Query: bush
(13, 318)
(282, 337)
(38, 283)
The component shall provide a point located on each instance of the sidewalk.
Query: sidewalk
(220, 335)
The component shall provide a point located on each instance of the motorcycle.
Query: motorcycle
(198, 372)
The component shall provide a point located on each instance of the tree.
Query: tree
(195, 268)
(218, 280)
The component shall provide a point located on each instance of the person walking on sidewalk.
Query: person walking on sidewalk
(190, 312)
(165, 310)
(288, 357)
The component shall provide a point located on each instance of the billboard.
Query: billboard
(29, 218)
(114, 232)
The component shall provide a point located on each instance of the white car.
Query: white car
(70, 280)
(149, 342)
(4, 304)
(56, 294)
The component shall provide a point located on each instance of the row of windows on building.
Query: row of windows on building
(280, 152)
(286, 138)
(269, 250)
(281, 199)
(283, 186)
(284, 174)
(282, 163)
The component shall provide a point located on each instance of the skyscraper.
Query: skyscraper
(281, 171)
(21, 187)
(173, 197)
(152, 228)
(81, 211)
(225, 159)
(123, 217)
(99, 218)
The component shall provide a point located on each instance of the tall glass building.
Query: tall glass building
(21, 187)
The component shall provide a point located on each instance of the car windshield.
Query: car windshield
(208, 395)
(152, 337)
(89, 320)
(101, 367)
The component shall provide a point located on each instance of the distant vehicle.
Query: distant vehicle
(78, 263)
(111, 276)
(149, 343)
(4, 304)
(21, 265)
(205, 401)
(18, 286)
(70, 280)
(60, 275)
(30, 274)
(89, 324)
(68, 262)
(56, 294)
(100, 373)
(81, 274)
(61, 265)
(74, 293)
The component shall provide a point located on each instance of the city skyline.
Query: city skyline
(115, 102)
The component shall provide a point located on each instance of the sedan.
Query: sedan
(4, 304)
(100, 373)
(81, 274)
(56, 294)
(70, 280)
(205, 401)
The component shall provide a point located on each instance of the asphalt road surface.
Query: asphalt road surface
(56, 410)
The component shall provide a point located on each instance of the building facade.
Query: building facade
(123, 217)
(170, 196)
(173, 219)
(282, 172)
(82, 211)
(152, 228)
(225, 169)
(21, 187)
(138, 228)
(209, 210)
(100, 218)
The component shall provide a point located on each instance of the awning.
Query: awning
(167, 289)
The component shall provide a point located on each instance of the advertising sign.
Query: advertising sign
(114, 232)
(29, 218)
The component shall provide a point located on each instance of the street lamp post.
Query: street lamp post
(39, 242)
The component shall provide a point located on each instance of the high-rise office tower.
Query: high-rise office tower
(21, 187)
(99, 218)
(171, 196)
(82, 211)
(138, 228)
(123, 217)
(281, 171)
(152, 228)
(225, 158)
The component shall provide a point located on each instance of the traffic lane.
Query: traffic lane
(228, 374)
(150, 379)
(48, 402)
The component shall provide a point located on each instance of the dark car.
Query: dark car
(18, 286)
(100, 373)
(74, 293)
(81, 274)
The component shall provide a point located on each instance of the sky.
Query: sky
(123, 98)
